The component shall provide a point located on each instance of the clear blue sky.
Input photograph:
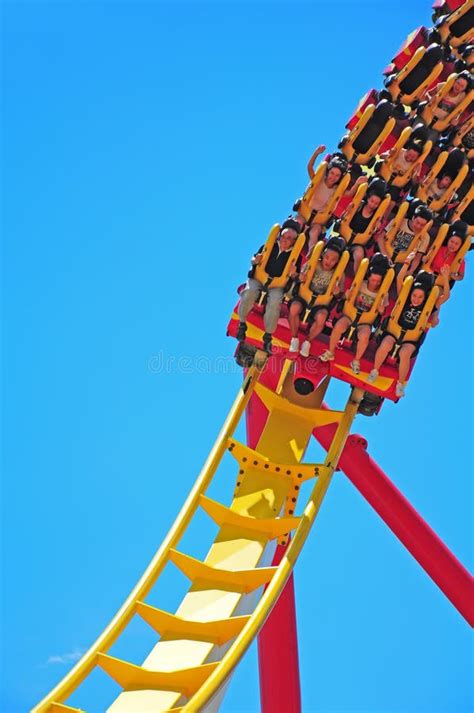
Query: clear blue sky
(148, 148)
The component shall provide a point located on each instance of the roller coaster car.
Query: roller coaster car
(456, 28)
(363, 142)
(387, 169)
(452, 163)
(465, 210)
(401, 214)
(321, 217)
(437, 243)
(344, 229)
(427, 111)
(409, 84)
(311, 370)
(305, 291)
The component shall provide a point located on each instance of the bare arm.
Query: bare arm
(380, 239)
(415, 263)
(313, 158)
(445, 293)
(352, 191)
(403, 272)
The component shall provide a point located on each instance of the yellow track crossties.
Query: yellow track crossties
(227, 604)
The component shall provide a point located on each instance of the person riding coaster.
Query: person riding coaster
(463, 137)
(465, 210)
(449, 248)
(406, 327)
(274, 266)
(444, 178)
(321, 280)
(362, 218)
(365, 303)
(328, 184)
(402, 165)
(407, 235)
(444, 105)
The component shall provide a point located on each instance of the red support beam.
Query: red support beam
(405, 522)
(278, 653)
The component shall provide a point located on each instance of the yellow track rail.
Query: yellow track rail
(225, 607)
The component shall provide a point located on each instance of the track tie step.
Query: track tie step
(217, 632)
(270, 527)
(137, 678)
(239, 580)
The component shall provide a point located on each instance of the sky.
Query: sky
(147, 149)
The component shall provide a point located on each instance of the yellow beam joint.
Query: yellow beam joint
(270, 527)
(240, 580)
(217, 632)
(249, 458)
(136, 678)
(61, 708)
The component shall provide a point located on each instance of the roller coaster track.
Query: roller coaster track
(190, 664)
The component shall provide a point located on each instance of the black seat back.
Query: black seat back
(383, 112)
(422, 70)
(465, 22)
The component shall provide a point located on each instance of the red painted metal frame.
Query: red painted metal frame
(278, 662)
(405, 522)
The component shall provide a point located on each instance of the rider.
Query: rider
(376, 192)
(366, 296)
(446, 254)
(405, 159)
(461, 85)
(320, 198)
(275, 267)
(318, 315)
(408, 230)
(408, 320)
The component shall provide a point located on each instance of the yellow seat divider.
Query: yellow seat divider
(239, 580)
(270, 527)
(248, 458)
(137, 678)
(61, 708)
(175, 627)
